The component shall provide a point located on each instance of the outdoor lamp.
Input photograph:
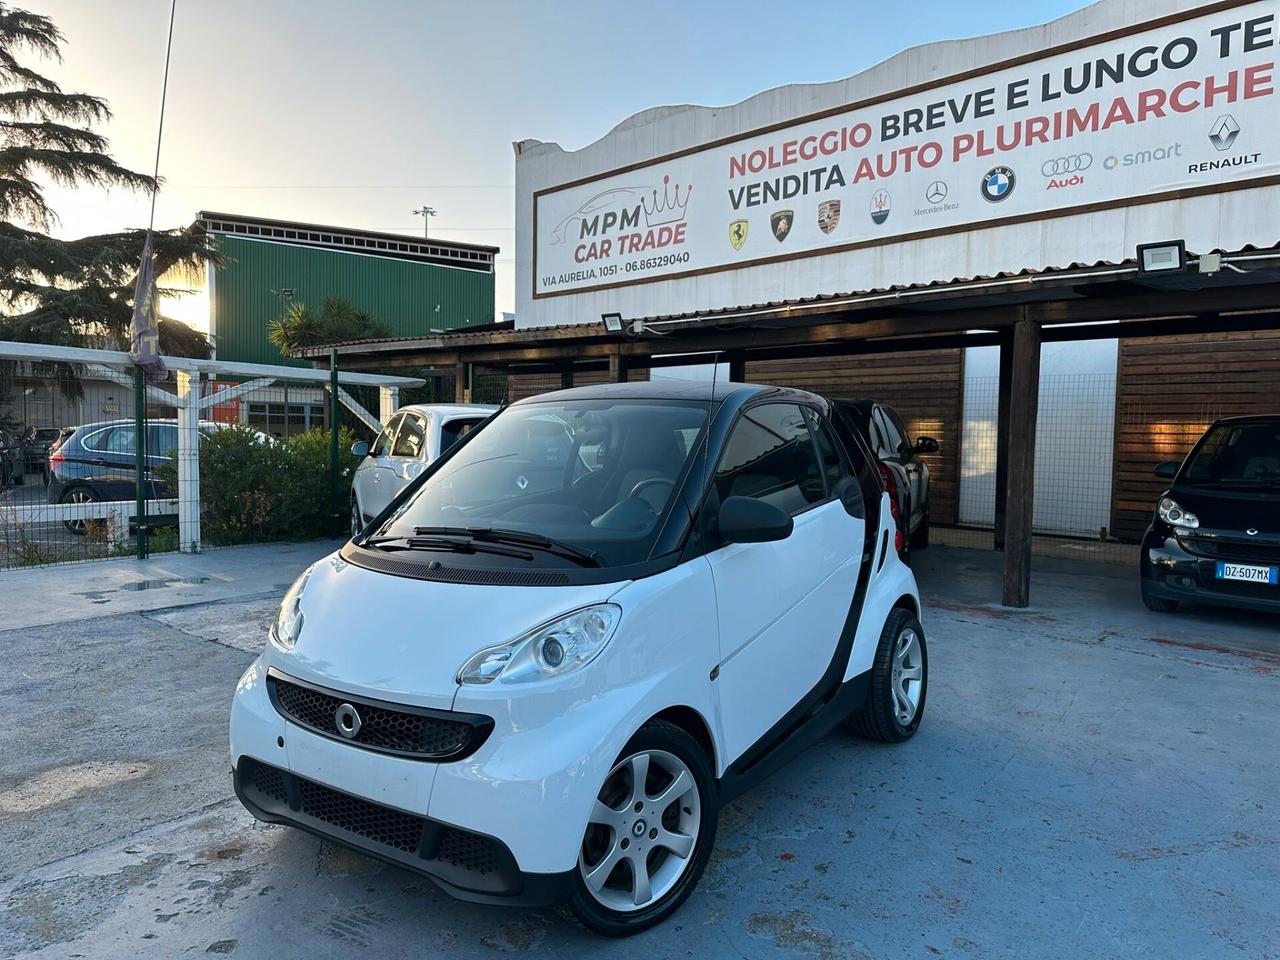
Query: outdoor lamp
(612, 322)
(1167, 257)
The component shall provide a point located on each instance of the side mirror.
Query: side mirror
(1167, 470)
(360, 449)
(744, 520)
(926, 445)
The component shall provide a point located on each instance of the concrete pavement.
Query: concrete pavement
(1091, 780)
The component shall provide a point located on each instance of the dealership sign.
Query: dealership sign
(1181, 107)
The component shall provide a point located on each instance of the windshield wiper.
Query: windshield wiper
(587, 558)
(454, 544)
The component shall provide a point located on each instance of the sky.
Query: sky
(354, 113)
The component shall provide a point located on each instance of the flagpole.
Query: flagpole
(139, 374)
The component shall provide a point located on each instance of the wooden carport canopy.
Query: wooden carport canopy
(1017, 313)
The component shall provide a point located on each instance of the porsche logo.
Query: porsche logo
(828, 215)
(780, 223)
(738, 233)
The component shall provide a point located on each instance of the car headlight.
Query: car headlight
(288, 625)
(552, 650)
(1170, 512)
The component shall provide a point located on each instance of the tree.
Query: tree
(62, 291)
(338, 321)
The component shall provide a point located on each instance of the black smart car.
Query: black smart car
(1215, 537)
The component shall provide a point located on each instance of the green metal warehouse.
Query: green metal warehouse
(414, 286)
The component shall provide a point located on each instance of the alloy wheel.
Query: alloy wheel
(357, 524)
(78, 496)
(908, 676)
(642, 831)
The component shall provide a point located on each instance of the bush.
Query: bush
(254, 490)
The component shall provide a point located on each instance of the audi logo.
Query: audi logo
(1072, 164)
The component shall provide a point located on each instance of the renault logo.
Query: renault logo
(347, 720)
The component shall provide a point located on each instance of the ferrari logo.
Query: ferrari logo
(780, 222)
(738, 233)
(828, 215)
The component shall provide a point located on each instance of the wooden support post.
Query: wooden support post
(460, 383)
(737, 368)
(617, 368)
(1004, 391)
(1024, 401)
(566, 377)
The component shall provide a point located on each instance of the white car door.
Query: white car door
(783, 605)
(369, 474)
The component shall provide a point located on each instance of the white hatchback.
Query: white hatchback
(415, 436)
(593, 621)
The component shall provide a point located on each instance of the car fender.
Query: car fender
(564, 736)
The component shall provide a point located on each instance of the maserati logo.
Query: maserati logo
(738, 233)
(780, 223)
(1224, 131)
(828, 215)
(880, 206)
(998, 184)
(937, 192)
(1252, 531)
(347, 720)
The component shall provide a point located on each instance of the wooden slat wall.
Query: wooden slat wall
(925, 387)
(1168, 391)
(532, 384)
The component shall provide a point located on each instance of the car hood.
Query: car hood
(400, 639)
(1228, 510)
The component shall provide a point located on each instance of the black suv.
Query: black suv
(905, 475)
(1215, 537)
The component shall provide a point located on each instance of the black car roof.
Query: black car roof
(1250, 418)
(701, 391)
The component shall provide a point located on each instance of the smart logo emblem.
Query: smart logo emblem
(998, 184)
(1224, 131)
(880, 206)
(937, 192)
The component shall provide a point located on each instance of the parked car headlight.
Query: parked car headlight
(1170, 512)
(551, 650)
(288, 625)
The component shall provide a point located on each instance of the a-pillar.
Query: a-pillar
(1021, 453)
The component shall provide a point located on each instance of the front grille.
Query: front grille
(408, 731)
(470, 860)
(1237, 550)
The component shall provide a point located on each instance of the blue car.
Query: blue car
(97, 462)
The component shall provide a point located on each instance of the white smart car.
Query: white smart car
(538, 675)
(414, 437)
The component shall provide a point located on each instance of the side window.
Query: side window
(162, 440)
(120, 440)
(412, 435)
(382, 446)
(451, 431)
(891, 439)
(97, 440)
(770, 456)
(898, 426)
(833, 467)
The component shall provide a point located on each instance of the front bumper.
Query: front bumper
(1171, 572)
(467, 865)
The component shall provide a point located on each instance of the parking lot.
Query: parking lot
(1092, 780)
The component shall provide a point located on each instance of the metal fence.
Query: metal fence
(232, 453)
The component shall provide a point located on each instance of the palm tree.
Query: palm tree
(337, 322)
(59, 291)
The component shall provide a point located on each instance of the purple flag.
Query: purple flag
(144, 332)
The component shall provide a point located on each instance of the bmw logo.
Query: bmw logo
(997, 184)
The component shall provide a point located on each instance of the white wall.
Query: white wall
(1074, 437)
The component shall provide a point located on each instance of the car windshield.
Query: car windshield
(1237, 454)
(596, 477)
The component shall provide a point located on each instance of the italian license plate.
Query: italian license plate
(1248, 573)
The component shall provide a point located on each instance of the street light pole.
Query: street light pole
(426, 213)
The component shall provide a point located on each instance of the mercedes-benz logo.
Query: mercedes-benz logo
(1252, 531)
(937, 192)
(347, 720)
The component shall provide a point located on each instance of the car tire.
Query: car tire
(357, 521)
(920, 538)
(899, 678)
(1158, 604)
(611, 841)
(78, 495)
